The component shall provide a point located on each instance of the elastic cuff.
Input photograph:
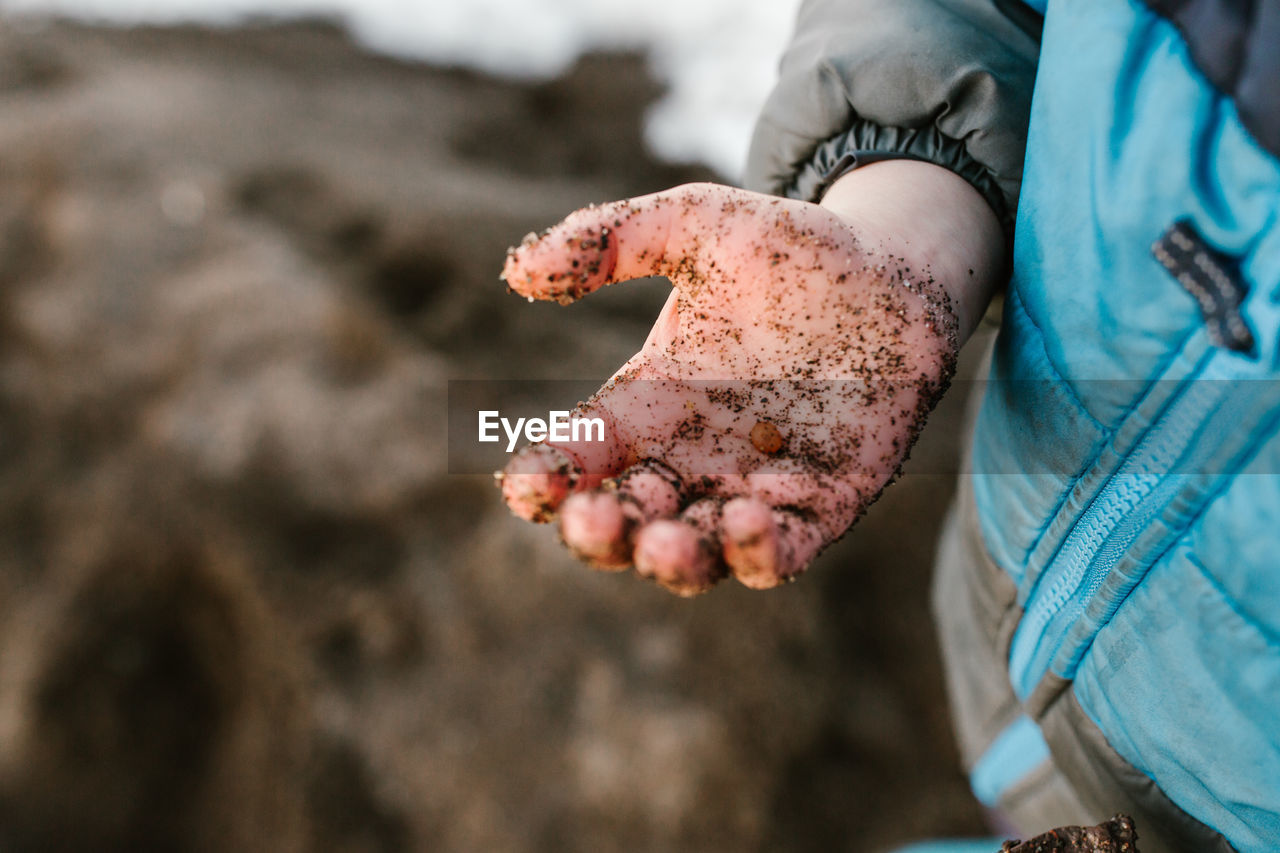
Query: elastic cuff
(868, 143)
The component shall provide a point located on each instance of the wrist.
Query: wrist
(932, 219)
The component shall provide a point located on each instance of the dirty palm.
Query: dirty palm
(779, 390)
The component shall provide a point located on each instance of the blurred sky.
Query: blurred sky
(718, 56)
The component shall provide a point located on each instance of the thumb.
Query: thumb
(604, 244)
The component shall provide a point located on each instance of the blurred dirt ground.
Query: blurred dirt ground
(243, 605)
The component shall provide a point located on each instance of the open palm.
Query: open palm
(778, 392)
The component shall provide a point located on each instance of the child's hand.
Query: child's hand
(783, 382)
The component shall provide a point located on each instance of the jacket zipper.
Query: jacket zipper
(1139, 491)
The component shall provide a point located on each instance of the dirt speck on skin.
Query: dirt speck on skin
(244, 604)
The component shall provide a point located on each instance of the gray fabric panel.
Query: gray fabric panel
(973, 602)
(1044, 800)
(955, 71)
(1048, 691)
(975, 609)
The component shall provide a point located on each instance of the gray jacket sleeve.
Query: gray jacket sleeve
(945, 81)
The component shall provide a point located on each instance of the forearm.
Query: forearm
(935, 221)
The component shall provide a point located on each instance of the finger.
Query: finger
(831, 503)
(613, 242)
(596, 530)
(541, 476)
(537, 480)
(681, 554)
(650, 489)
(597, 526)
(765, 547)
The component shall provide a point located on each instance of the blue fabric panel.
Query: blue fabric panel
(1235, 540)
(1126, 137)
(1186, 688)
(1015, 752)
(1228, 541)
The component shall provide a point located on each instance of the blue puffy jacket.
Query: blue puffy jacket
(1126, 457)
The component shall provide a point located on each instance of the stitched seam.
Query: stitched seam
(1062, 498)
(1270, 640)
(1053, 367)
